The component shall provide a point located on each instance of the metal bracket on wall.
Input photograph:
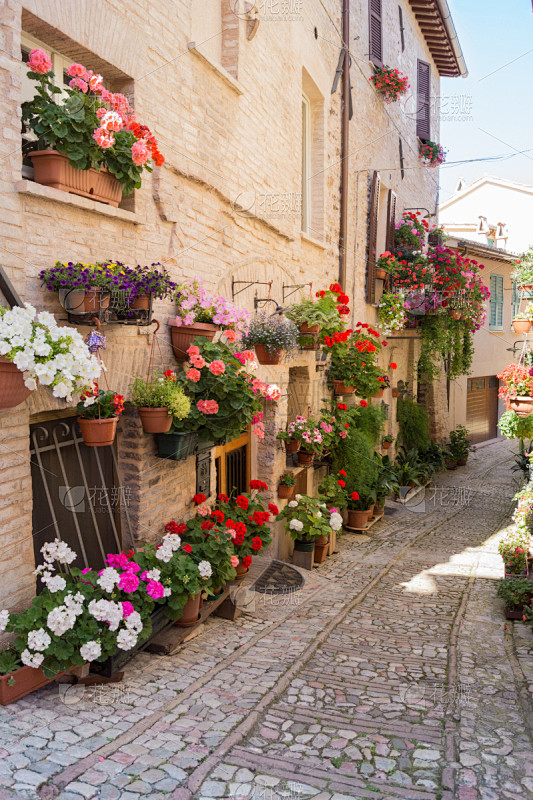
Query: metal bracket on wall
(247, 285)
(294, 287)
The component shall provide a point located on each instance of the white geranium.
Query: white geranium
(153, 575)
(46, 353)
(293, 504)
(298, 497)
(205, 569)
(106, 611)
(108, 579)
(126, 639)
(58, 551)
(54, 583)
(31, 659)
(172, 541)
(134, 622)
(38, 640)
(336, 521)
(60, 620)
(90, 651)
(164, 553)
(296, 525)
(4, 619)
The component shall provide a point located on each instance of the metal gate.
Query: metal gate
(76, 493)
(232, 462)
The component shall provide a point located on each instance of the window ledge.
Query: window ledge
(311, 240)
(57, 195)
(218, 68)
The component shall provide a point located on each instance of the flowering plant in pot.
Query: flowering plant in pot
(459, 445)
(84, 288)
(392, 315)
(34, 351)
(159, 399)
(390, 82)
(309, 435)
(332, 489)
(320, 316)
(360, 509)
(522, 273)
(432, 153)
(99, 412)
(87, 129)
(286, 485)
(272, 337)
(353, 362)
(410, 232)
(225, 398)
(386, 264)
(516, 593)
(523, 320)
(387, 441)
(246, 518)
(514, 557)
(516, 387)
(291, 436)
(142, 283)
(309, 523)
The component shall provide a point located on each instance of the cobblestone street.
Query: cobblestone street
(391, 675)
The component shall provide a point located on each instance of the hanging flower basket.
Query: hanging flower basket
(340, 388)
(265, 356)
(177, 446)
(432, 153)
(155, 420)
(98, 432)
(13, 392)
(292, 445)
(522, 406)
(381, 274)
(390, 82)
(184, 335)
(51, 168)
(285, 492)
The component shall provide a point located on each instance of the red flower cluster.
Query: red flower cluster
(199, 498)
(273, 509)
(247, 560)
(207, 524)
(257, 544)
(341, 483)
(259, 485)
(223, 498)
(143, 132)
(242, 502)
(173, 527)
(338, 337)
(187, 548)
(355, 495)
(342, 406)
(260, 517)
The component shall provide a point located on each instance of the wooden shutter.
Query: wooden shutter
(372, 238)
(375, 34)
(423, 128)
(496, 302)
(515, 300)
(402, 35)
(391, 220)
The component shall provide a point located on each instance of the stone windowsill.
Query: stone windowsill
(218, 68)
(312, 240)
(57, 195)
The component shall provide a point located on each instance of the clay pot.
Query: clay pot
(339, 387)
(379, 394)
(27, 679)
(305, 328)
(292, 446)
(358, 519)
(462, 462)
(521, 325)
(51, 168)
(141, 302)
(381, 274)
(451, 463)
(191, 612)
(77, 301)
(321, 549)
(527, 287)
(98, 432)
(305, 459)
(379, 509)
(241, 571)
(386, 445)
(285, 492)
(265, 356)
(13, 392)
(155, 420)
(523, 406)
(183, 336)
(371, 512)
(310, 331)
(455, 314)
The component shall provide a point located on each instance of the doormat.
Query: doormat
(279, 578)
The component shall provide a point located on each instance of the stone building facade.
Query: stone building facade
(236, 96)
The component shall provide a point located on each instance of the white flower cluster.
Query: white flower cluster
(46, 353)
(292, 504)
(108, 579)
(153, 575)
(31, 659)
(205, 569)
(63, 618)
(171, 543)
(90, 651)
(58, 551)
(4, 619)
(127, 637)
(106, 611)
(335, 521)
(296, 525)
(392, 315)
(38, 640)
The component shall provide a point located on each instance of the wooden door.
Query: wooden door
(232, 462)
(482, 408)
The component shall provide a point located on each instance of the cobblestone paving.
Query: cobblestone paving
(392, 675)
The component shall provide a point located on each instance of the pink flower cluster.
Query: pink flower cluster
(129, 581)
(193, 300)
(39, 62)
(207, 406)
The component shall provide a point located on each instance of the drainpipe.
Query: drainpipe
(345, 134)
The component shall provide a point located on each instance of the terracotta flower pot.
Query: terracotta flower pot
(155, 420)
(184, 335)
(339, 387)
(27, 680)
(265, 356)
(292, 446)
(98, 432)
(321, 549)
(379, 509)
(381, 274)
(379, 394)
(451, 463)
(141, 302)
(191, 611)
(310, 331)
(521, 325)
(386, 445)
(78, 301)
(305, 328)
(462, 462)
(241, 570)
(305, 459)
(285, 492)
(371, 512)
(526, 287)
(358, 519)
(523, 406)
(13, 392)
(51, 168)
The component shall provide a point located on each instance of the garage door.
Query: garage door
(482, 408)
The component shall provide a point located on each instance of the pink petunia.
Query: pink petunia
(39, 61)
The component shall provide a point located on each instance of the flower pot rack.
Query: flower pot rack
(109, 308)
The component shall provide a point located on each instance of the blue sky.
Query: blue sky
(492, 35)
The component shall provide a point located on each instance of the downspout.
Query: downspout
(345, 135)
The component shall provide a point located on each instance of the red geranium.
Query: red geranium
(187, 548)
(199, 498)
(247, 560)
(257, 544)
(259, 485)
(341, 483)
(242, 501)
(223, 498)
(342, 472)
(273, 509)
(355, 495)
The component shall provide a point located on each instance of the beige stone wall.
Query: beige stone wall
(217, 208)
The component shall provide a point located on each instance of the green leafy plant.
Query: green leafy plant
(413, 422)
(513, 549)
(370, 420)
(515, 591)
(514, 427)
(332, 489)
(9, 661)
(522, 273)
(96, 403)
(161, 391)
(322, 311)
(357, 457)
(459, 445)
(287, 479)
(306, 518)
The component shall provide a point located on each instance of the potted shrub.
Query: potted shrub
(159, 400)
(34, 351)
(272, 337)
(432, 153)
(353, 367)
(332, 490)
(141, 284)
(91, 144)
(459, 445)
(516, 593)
(517, 389)
(85, 288)
(514, 551)
(99, 412)
(225, 398)
(360, 509)
(309, 524)
(523, 321)
(387, 264)
(286, 485)
(319, 316)
(387, 441)
(390, 82)
(291, 437)
(410, 233)
(201, 314)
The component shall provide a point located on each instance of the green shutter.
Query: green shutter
(515, 300)
(496, 302)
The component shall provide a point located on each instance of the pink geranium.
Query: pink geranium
(132, 566)
(193, 351)
(217, 367)
(203, 510)
(198, 361)
(230, 335)
(95, 83)
(128, 582)
(207, 406)
(193, 375)
(118, 560)
(77, 71)
(79, 83)
(155, 589)
(127, 608)
(234, 561)
(39, 61)
(103, 138)
(139, 153)
(111, 121)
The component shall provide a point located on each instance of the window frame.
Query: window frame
(496, 302)
(423, 132)
(306, 165)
